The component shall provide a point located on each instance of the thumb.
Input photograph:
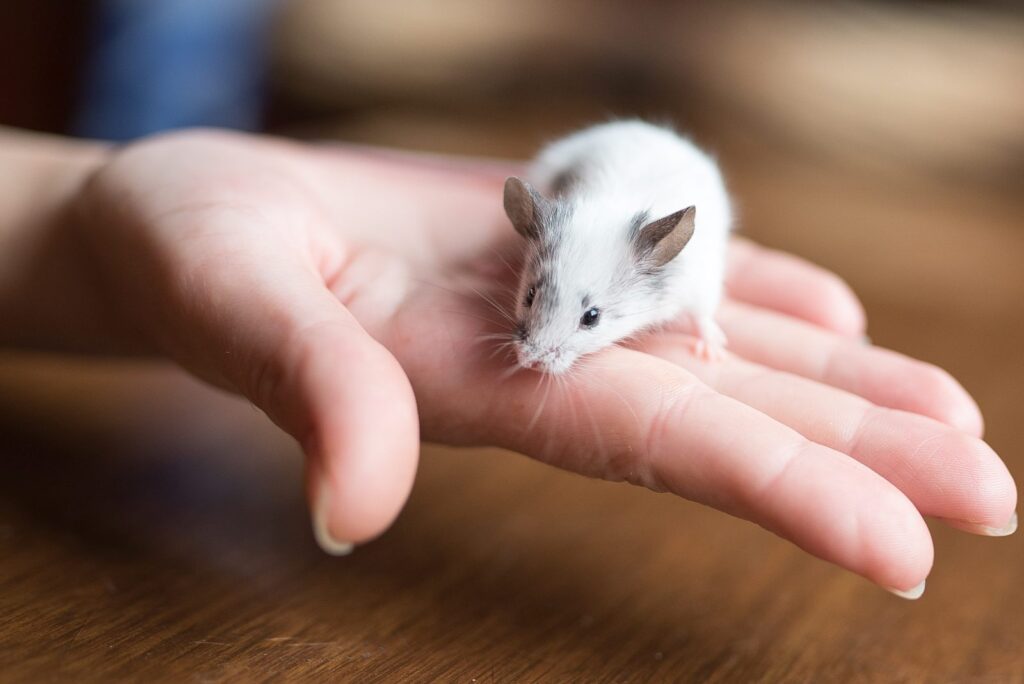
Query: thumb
(350, 405)
(282, 339)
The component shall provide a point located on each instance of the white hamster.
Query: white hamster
(629, 233)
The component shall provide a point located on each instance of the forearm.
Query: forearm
(46, 300)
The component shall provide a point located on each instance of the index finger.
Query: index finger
(790, 285)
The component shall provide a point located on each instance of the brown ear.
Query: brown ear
(524, 207)
(661, 240)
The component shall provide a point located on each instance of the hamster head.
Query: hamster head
(591, 276)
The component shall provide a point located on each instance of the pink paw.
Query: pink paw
(709, 351)
(710, 344)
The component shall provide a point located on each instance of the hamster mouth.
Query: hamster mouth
(552, 361)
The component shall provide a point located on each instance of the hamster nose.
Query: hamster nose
(526, 361)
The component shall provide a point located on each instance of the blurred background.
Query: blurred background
(883, 140)
(905, 117)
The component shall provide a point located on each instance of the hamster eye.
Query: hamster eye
(590, 317)
(530, 294)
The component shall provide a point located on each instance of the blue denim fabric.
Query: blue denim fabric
(163, 64)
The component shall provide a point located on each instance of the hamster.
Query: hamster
(626, 226)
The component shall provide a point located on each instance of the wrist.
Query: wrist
(45, 299)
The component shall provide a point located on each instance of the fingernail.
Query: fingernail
(327, 542)
(1004, 531)
(909, 594)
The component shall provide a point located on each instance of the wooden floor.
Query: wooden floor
(151, 529)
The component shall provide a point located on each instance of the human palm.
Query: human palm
(360, 300)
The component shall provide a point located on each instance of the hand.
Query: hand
(351, 296)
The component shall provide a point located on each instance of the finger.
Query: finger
(944, 472)
(271, 327)
(629, 416)
(882, 377)
(706, 447)
(790, 285)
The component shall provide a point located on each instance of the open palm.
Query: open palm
(359, 299)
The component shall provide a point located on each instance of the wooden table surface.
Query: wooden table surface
(151, 529)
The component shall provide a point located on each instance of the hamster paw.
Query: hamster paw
(709, 352)
(711, 341)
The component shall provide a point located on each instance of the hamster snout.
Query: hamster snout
(554, 359)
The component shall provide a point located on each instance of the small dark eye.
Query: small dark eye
(530, 294)
(590, 317)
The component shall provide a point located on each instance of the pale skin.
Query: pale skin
(340, 290)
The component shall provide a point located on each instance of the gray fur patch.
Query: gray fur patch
(640, 220)
(564, 183)
(555, 223)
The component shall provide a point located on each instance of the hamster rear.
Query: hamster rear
(627, 231)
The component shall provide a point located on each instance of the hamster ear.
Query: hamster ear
(524, 207)
(661, 240)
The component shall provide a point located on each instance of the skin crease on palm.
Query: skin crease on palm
(345, 292)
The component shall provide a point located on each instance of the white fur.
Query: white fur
(622, 168)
